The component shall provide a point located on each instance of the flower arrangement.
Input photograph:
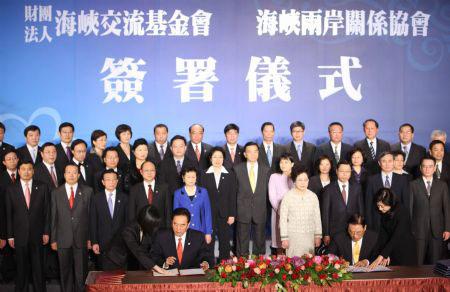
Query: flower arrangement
(284, 272)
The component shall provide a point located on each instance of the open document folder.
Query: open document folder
(176, 272)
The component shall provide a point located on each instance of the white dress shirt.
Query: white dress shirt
(82, 169)
(49, 168)
(346, 189)
(199, 145)
(217, 175)
(113, 197)
(374, 144)
(74, 187)
(33, 151)
(146, 184)
(333, 147)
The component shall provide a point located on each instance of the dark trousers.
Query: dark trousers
(223, 232)
(51, 264)
(430, 250)
(30, 261)
(73, 268)
(244, 231)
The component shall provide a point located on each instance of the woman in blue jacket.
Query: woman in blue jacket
(196, 200)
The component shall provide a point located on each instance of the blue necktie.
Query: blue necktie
(110, 205)
(269, 156)
(299, 151)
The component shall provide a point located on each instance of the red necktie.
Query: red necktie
(72, 198)
(13, 177)
(197, 152)
(150, 195)
(179, 250)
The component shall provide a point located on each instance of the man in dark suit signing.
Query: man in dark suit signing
(28, 214)
(335, 149)
(31, 150)
(372, 146)
(430, 203)
(160, 148)
(303, 152)
(252, 180)
(70, 229)
(181, 247)
(233, 151)
(197, 150)
(357, 245)
(339, 201)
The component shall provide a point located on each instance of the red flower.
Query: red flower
(289, 260)
(305, 277)
(318, 268)
(261, 257)
(223, 275)
(335, 276)
(222, 262)
(238, 268)
(267, 262)
(294, 276)
(284, 277)
(272, 275)
(322, 276)
(242, 276)
(263, 271)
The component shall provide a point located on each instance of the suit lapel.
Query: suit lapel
(33, 193)
(21, 193)
(117, 206)
(78, 194)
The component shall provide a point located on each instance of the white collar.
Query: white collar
(211, 170)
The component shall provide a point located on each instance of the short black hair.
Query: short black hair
(31, 128)
(77, 142)
(2, 126)
(298, 170)
(214, 150)
(335, 124)
(139, 142)
(343, 162)
(435, 142)
(47, 144)
(160, 126)
(356, 219)
(406, 125)
(9, 151)
(371, 120)
(384, 153)
(108, 149)
(284, 156)
(22, 162)
(178, 137)
(148, 161)
(187, 169)
(149, 219)
(230, 127)
(387, 197)
(201, 126)
(97, 134)
(297, 124)
(427, 157)
(182, 212)
(121, 129)
(319, 160)
(64, 125)
(267, 124)
(72, 164)
(355, 150)
(396, 153)
(250, 143)
(106, 171)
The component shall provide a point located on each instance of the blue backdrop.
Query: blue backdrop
(54, 66)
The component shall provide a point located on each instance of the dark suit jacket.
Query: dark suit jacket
(102, 227)
(445, 173)
(333, 209)
(308, 155)
(128, 243)
(251, 205)
(61, 157)
(89, 180)
(5, 147)
(167, 172)
(122, 184)
(25, 155)
(412, 163)
(325, 149)
(430, 214)
(371, 165)
(277, 151)
(315, 185)
(238, 156)
(23, 224)
(161, 200)
(194, 253)
(153, 153)
(341, 245)
(5, 182)
(95, 162)
(70, 227)
(42, 174)
(203, 163)
(399, 186)
(222, 199)
(124, 162)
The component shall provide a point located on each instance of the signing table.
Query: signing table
(399, 279)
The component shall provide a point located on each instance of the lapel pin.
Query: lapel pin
(189, 243)
(118, 201)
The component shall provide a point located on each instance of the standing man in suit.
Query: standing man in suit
(160, 148)
(4, 147)
(48, 171)
(413, 152)
(31, 150)
(430, 203)
(269, 152)
(372, 146)
(339, 201)
(437, 151)
(441, 135)
(197, 151)
(252, 180)
(70, 229)
(79, 150)
(65, 132)
(181, 247)
(335, 149)
(357, 245)
(108, 215)
(28, 214)
(150, 192)
(169, 169)
(385, 179)
(303, 152)
(233, 151)
(110, 157)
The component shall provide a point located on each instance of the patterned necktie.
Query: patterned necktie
(27, 195)
(34, 155)
(336, 154)
(372, 150)
(110, 205)
(161, 152)
(344, 194)
(405, 150)
(251, 177)
(197, 152)
(269, 155)
(150, 194)
(356, 251)
(438, 172)
(72, 198)
(387, 183)
(232, 154)
(13, 177)
(178, 166)
(68, 153)
(429, 188)
(180, 251)
(299, 151)
(53, 175)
